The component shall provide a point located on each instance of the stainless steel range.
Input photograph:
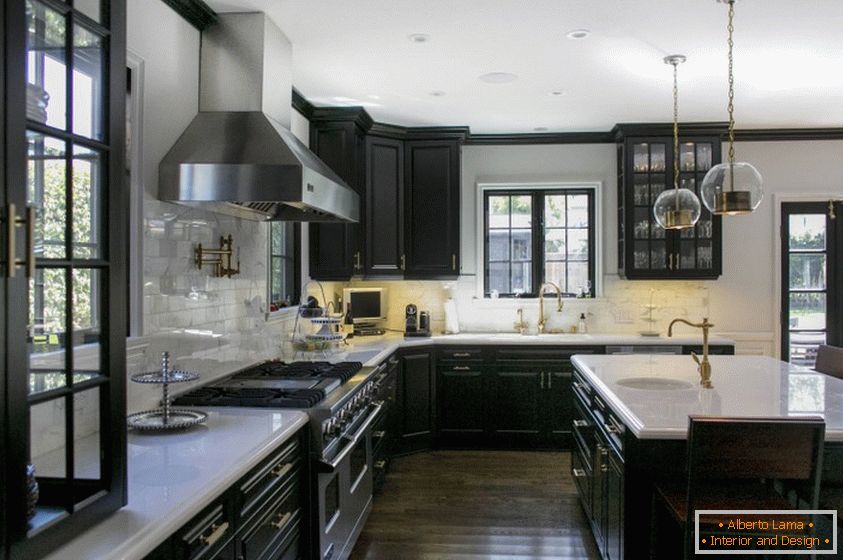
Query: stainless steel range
(340, 400)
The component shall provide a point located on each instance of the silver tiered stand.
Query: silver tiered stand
(166, 417)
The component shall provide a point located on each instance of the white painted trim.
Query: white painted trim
(778, 199)
(515, 185)
(136, 189)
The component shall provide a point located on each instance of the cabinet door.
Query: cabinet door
(598, 491)
(558, 406)
(460, 418)
(416, 391)
(335, 248)
(514, 406)
(432, 208)
(384, 206)
(614, 507)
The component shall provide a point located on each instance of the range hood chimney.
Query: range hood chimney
(238, 156)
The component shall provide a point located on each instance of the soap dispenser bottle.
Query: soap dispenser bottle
(581, 326)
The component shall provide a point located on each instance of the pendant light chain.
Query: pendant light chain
(731, 107)
(676, 130)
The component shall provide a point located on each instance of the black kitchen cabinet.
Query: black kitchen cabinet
(432, 208)
(336, 249)
(515, 393)
(416, 396)
(558, 404)
(385, 430)
(645, 169)
(384, 253)
(460, 420)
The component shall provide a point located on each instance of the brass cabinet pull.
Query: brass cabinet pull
(403, 262)
(549, 380)
(217, 531)
(357, 264)
(453, 261)
(12, 223)
(379, 434)
(280, 470)
(380, 464)
(541, 377)
(581, 423)
(281, 520)
(677, 261)
(578, 473)
(462, 368)
(670, 259)
(462, 354)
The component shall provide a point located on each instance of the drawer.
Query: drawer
(582, 474)
(379, 435)
(460, 354)
(208, 535)
(583, 428)
(272, 531)
(582, 390)
(549, 354)
(268, 478)
(461, 367)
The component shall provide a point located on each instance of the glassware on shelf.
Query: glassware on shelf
(686, 157)
(657, 158)
(703, 156)
(640, 158)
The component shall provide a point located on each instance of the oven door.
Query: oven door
(345, 491)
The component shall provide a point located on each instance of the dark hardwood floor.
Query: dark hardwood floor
(477, 504)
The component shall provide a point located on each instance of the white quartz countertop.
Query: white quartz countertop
(372, 350)
(747, 386)
(173, 476)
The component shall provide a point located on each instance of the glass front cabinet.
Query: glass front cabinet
(645, 169)
(63, 284)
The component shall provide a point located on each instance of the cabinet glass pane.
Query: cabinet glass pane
(705, 254)
(704, 228)
(807, 271)
(87, 168)
(658, 255)
(657, 186)
(90, 8)
(86, 434)
(87, 333)
(47, 338)
(687, 253)
(686, 157)
(46, 65)
(704, 156)
(641, 255)
(656, 231)
(48, 437)
(642, 223)
(641, 191)
(88, 86)
(46, 192)
(641, 158)
(657, 158)
(807, 311)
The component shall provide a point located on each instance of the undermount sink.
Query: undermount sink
(655, 384)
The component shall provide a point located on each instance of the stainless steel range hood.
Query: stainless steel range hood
(238, 156)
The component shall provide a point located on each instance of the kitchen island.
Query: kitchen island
(631, 423)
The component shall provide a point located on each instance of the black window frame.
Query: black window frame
(294, 260)
(538, 195)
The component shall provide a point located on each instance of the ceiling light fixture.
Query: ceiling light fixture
(498, 78)
(732, 188)
(676, 208)
(577, 34)
(419, 37)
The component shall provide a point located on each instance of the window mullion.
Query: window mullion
(538, 241)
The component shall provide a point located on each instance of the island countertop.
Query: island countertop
(173, 476)
(747, 386)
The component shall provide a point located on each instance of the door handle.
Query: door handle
(357, 264)
(670, 261)
(581, 423)
(578, 473)
(549, 380)
(453, 261)
(217, 531)
(678, 261)
(403, 262)
(541, 380)
(12, 223)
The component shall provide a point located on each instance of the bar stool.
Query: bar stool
(731, 465)
(830, 361)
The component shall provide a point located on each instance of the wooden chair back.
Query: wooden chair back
(830, 360)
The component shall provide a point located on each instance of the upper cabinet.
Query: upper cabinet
(336, 249)
(432, 208)
(409, 184)
(645, 169)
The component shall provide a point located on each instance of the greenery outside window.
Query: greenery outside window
(284, 269)
(533, 236)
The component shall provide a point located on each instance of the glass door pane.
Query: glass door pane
(805, 267)
(650, 179)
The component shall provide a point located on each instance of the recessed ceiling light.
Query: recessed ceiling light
(419, 37)
(437, 93)
(578, 34)
(498, 78)
(556, 93)
(541, 129)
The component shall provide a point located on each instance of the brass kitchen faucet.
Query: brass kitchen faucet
(704, 366)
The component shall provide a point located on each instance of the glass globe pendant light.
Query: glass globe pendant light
(676, 208)
(732, 188)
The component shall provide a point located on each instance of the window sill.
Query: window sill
(515, 303)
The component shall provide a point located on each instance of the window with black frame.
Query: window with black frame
(533, 236)
(284, 272)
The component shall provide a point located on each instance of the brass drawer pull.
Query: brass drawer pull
(403, 262)
(581, 423)
(611, 428)
(217, 532)
(462, 354)
(578, 473)
(280, 470)
(379, 434)
(462, 368)
(453, 261)
(282, 520)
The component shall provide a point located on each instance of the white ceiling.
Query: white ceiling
(788, 67)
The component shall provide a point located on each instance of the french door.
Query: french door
(812, 279)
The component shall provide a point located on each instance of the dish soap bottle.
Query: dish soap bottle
(581, 326)
(348, 322)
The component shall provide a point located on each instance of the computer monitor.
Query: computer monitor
(368, 305)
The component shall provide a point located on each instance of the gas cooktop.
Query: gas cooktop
(274, 385)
